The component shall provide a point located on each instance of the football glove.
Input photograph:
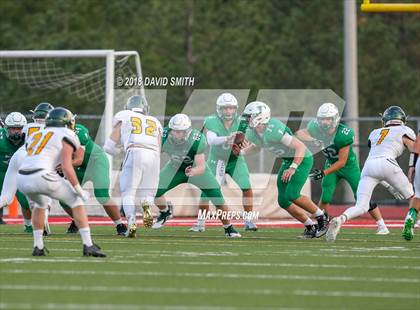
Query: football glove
(394, 192)
(316, 174)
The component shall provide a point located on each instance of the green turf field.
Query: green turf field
(174, 269)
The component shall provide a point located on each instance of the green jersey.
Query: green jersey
(92, 150)
(215, 124)
(343, 136)
(7, 149)
(271, 138)
(182, 155)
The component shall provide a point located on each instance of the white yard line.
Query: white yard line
(357, 294)
(73, 306)
(224, 291)
(213, 275)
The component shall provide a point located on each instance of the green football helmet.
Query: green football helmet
(60, 117)
(394, 115)
(41, 111)
(137, 103)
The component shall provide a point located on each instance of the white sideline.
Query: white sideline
(187, 290)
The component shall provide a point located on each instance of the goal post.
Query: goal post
(368, 6)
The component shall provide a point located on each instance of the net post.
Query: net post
(109, 98)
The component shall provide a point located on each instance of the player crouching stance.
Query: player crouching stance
(410, 219)
(386, 144)
(186, 147)
(272, 134)
(140, 135)
(39, 180)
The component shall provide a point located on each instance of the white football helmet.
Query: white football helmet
(15, 120)
(226, 100)
(257, 113)
(179, 122)
(328, 111)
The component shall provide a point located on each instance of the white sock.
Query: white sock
(38, 239)
(380, 223)
(117, 222)
(343, 218)
(27, 222)
(318, 212)
(353, 212)
(129, 210)
(308, 222)
(85, 235)
(201, 222)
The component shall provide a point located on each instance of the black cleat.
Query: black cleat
(121, 229)
(323, 222)
(163, 217)
(93, 250)
(2, 222)
(72, 228)
(39, 252)
(309, 233)
(232, 233)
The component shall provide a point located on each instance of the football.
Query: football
(239, 138)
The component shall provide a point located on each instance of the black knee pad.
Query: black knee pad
(372, 206)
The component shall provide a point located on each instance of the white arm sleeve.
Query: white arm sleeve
(110, 147)
(287, 139)
(10, 179)
(213, 139)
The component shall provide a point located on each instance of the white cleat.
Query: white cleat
(333, 229)
(250, 226)
(382, 230)
(197, 228)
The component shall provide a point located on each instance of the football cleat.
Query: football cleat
(250, 226)
(28, 229)
(2, 222)
(382, 230)
(232, 233)
(121, 229)
(197, 228)
(39, 252)
(323, 222)
(163, 217)
(408, 231)
(147, 216)
(309, 232)
(132, 228)
(93, 250)
(72, 229)
(333, 229)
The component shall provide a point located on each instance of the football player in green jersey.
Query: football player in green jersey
(414, 177)
(336, 140)
(95, 168)
(187, 164)
(220, 130)
(11, 139)
(272, 134)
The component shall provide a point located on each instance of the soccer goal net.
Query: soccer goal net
(85, 81)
